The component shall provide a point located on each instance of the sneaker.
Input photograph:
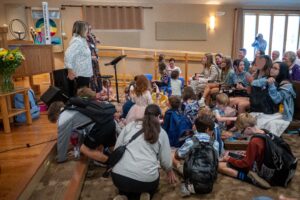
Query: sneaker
(120, 197)
(99, 164)
(257, 180)
(184, 191)
(145, 196)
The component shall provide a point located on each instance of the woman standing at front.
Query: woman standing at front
(136, 174)
(78, 58)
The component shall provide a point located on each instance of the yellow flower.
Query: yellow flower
(3, 52)
(10, 57)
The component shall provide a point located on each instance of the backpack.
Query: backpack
(175, 124)
(19, 104)
(279, 164)
(260, 101)
(201, 167)
(99, 112)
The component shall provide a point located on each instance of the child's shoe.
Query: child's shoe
(184, 190)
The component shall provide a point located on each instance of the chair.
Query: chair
(296, 85)
(149, 76)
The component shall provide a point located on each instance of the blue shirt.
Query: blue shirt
(188, 145)
(241, 78)
(218, 111)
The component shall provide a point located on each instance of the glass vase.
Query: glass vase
(6, 82)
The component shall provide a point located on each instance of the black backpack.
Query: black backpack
(201, 167)
(260, 101)
(99, 112)
(279, 164)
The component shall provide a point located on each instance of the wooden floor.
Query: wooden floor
(17, 167)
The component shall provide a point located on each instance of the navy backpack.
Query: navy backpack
(176, 124)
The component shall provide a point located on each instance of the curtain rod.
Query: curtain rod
(144, 7)
(260, 9)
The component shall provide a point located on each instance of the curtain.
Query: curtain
(237, 41)
(113, 17)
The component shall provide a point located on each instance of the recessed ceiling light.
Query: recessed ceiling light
(213, 3)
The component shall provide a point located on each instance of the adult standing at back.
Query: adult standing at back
(242, 56)
(171, 67)
(298, 57)
(259, 43)
(78, 58)
(96, 82)
(290, 58)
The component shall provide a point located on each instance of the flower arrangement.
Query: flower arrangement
(10, 60)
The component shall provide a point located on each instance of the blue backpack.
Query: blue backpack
(19, 104)
(175, 124)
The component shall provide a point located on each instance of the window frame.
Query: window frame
(272, 13)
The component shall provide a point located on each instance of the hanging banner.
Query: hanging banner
(54, 26)
(46, 23)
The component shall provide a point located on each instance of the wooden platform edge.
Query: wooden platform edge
(38, 168)
(75, 185)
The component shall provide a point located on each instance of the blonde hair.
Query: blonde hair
(86, 92)
(245, 120)
(206, 111)
(222, 99)
(79, 28)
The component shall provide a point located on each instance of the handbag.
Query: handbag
(118, 153)
(260, 101)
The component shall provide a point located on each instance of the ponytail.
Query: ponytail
(151, 125)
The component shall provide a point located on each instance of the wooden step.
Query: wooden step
(75, 186)
(62, 180)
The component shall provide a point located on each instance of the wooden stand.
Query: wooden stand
(3, 37)
(38, 60)
(7, 111)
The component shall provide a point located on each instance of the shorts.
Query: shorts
(101, 134)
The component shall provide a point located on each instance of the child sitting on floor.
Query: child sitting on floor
(106, 93)
(175, 123)
(206, 112)
(204, 132)
(222, 102)
(176, 84)
(190, 105)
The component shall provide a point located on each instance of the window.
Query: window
(292, 33)
(278, 34)
(249, 34)
(280, 30)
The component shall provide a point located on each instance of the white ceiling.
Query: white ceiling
(285, 3)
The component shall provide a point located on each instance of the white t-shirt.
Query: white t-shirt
(176, 87)
(175, 68)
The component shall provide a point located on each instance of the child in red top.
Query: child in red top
(244, 168)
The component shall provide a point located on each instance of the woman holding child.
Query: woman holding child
(136, 175)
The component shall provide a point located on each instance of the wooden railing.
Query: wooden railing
(152, 55)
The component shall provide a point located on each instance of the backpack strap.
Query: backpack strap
(135, 136)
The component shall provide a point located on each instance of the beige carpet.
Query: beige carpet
(225, 188)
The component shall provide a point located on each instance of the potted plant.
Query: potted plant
(10, 60)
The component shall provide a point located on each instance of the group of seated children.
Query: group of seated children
(190, 130)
